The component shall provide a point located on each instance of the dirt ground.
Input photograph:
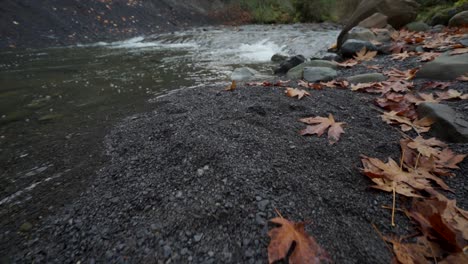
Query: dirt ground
(196, 180)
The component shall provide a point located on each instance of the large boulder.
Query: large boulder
(448, 124)
(360, 33)
(289, 64)
(315, 74)
(459, 20)
(352, 46)
(446, 67)
(367, 78)
(377, 20)
(400, 12)
(298, 71)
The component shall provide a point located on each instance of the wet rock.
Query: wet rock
(384, 35)
(314, 74)
(445, 67)
(298, 71)
(289, 64)
(449, 125)
(25, 227)
(459, 20)
(243, 74)
(377, 20)
(418, 26)
(367, 78)
(279, 58)
(360, 33)
(352, 46)
(197, 238)
(50, 117)
(438, 28)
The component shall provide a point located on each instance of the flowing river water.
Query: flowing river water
(56, 104)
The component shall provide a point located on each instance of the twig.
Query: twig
(382, 237)
(393, 207)
(278, 213)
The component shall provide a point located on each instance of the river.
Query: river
(56, 104)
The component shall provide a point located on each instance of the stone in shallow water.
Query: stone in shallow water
(243, 74)
(298, 71)
(289, 64)
(449, 125)
(446, 67)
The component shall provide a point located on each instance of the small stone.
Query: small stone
(367, 78)
(184, 251)
(167, 251)
(197, 238)
(200, 172)
(26, 227)
(259, 218)
(211, 254)
(262, 205)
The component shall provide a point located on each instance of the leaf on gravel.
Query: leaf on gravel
(373, 87)
(364, 55)
(335, 84)
(231, 87)
(315, 86)
(292, 236)
(442, 221)
(426, 146)
(281, 83)
(348, 64)
(264, 84)
(451, 94)
(437, 85)
(402, 56)
(421, 98)
(420, 126)
(459, 51)
(397, 47)
(318, 125)
(412, 253)
(448, 159)
(398, 103)
(294, 92)
(428, 56)
(406, 75)
(463, 78)
(397, 86)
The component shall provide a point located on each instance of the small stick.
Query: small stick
(393, 207)
(278, 213)
(417, 161)
(382, 237)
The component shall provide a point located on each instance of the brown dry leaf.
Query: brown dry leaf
(374, 67)
(437, 85)
(397, 47)
(459, 51)
(463, 78)
(413, 253)
(315, 86)
(335, 84)
(231, 87)
(364, 55)
(428, 56)
(406, 75)
(367, 87)
(288, 234)
(398, 103)
(421, 98)
(348, 64)
(448, 159)
(318, 125)
(294, 92)
(264, 84)
(397, 86)
(402, 56)
(451, 94)
(426, 147)
(442, 221)
(420, 126)
(281, 83)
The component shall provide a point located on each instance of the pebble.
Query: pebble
(211, 254)
(198, 238)
(262, 205)
(167, 251)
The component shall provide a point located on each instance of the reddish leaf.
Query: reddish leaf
(318, 125)
(293, 92)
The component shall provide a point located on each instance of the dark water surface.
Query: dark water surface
(56, 104)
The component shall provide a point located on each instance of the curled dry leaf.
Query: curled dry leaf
(232, 86)
(437, 85)
(459, 51)
(419, 98)
(315, 86)
(335, 84)
(413, 253)
(292, 236)
(420, 126)
(402, 56)
(398, 103)
(428, 56)
(426, 147)
(293, 92)
(364, 55)
(396, 86)
(348, 64)
(406, 75)
(318, 125)
(373, 87)
(451, 94)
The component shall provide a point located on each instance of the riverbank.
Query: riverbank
(197, 178)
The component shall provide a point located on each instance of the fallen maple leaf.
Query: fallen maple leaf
(292, 236)
(396, 86)
(364, 55)
(231, 87)
(428, 56)
(397, 47)
(335, 84)
(294, 92)
(437, 85)
(426, 146)
(398, 103)
(402, 56)
(407, 75)
(348, 64)
(315, 86)
(420, 126)
(373, 87)
(318, 125)
(421, 98)
(452, 94)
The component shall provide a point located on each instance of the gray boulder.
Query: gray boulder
(289, 64)
(377, 20)
(418, 26)
(279, 58)
(360, 33)
(243, 74)
(315, 74)
(459, 20)
(367, 78)
(449, 125)
(352, 46)
(445, 67)
(298, 71)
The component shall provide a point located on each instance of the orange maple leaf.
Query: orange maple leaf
(294, 92)
(364, 55)
(349, 63)
(231, 87)
(463, 78)
(288, 234)
(318, 125)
